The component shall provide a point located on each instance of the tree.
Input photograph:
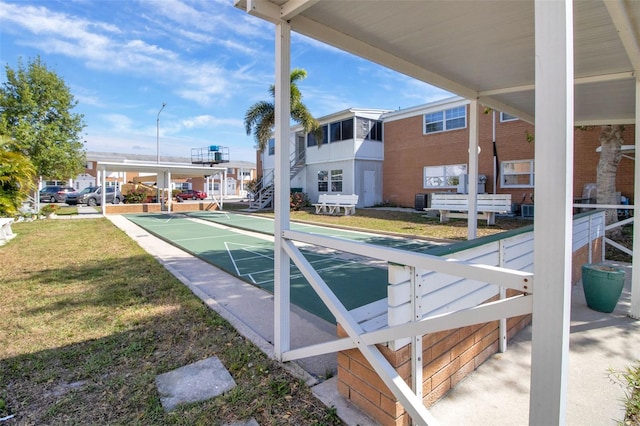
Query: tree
(35, 112)
(16, 178)
(260, 118)
(611, 142)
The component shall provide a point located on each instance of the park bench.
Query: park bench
(5, 230)
(452, 205)
(332, 203)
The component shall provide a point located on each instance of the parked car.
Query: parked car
(190, 194)
(79, 197)
(54, 193)
(112, 195)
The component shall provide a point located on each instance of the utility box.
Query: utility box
(423, 201)
(463, 184)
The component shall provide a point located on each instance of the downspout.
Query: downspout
(495, 153)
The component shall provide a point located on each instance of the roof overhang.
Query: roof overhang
(176, 170)
(480, 49)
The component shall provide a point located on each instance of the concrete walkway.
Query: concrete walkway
(496, 394)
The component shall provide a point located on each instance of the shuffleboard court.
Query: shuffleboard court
(266, 225)
(249, 255)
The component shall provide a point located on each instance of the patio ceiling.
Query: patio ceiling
(480, 49)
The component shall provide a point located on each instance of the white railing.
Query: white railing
(628, 220)
(428, 293)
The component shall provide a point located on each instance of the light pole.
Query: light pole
(158, 198)
(164, 104)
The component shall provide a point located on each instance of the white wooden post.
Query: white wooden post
(472, 221)
(502, 324)
(282, 290)
(553, 192)
(103, 184)
(169, 198)
(416, 340)
(634, 312)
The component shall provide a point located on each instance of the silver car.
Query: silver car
(112, 195)
(54, 193)
(79, 197)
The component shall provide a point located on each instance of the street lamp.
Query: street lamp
(164, 104)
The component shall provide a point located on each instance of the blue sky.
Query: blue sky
(206, 59)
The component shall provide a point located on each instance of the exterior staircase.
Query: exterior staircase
(263, 199)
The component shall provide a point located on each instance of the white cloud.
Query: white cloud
(106, 47)
(209, 121)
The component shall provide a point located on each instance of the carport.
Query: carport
(164, 172)
(557, 63)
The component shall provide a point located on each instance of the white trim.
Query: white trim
(424, 109)
(282, 279)
(634, 311)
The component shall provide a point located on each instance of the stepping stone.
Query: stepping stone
(195, 382)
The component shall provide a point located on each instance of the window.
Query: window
(347, 129)
(335, 130)
(231, 170)
(336, 180)
(311, 139)
(272, 146)
(450, 119)
(507, 117)
(341, 130)
(447, 176)
(369, 129)
(376, 131)
(517, 174)
(323, 181)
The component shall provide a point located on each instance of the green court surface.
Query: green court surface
(250, 256)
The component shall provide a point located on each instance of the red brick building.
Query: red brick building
(426, 147)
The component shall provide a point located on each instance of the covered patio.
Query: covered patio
(164, 172)
(555, 63)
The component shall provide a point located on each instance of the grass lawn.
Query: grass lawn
(88, 321)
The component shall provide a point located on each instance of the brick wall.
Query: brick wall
(448, 357)
(154, 207)
(407, 151)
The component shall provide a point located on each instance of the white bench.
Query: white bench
(5, 230)
(332, 203)
(453, 205)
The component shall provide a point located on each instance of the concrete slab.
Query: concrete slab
(250, 422)
(327, 393)
(498, 392)
(195, 382)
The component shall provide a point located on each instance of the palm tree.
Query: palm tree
(16, 178)
(260, 117)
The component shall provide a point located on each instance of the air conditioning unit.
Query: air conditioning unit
(526, 210)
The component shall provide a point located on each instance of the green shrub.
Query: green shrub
(298, 200)
(629, 379)
(135, 196)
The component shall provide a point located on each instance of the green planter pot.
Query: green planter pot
(602, 286)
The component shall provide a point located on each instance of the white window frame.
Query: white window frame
(334, 177)
(443, 176)
(504, 174)
(505, 118)
(444, 120)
